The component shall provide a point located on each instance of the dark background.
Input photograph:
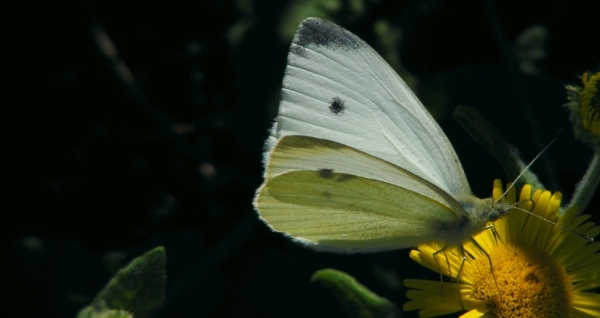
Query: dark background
(161, 144)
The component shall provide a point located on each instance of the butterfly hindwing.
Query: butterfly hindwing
(334, 197)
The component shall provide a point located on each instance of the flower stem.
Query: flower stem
(586, 188)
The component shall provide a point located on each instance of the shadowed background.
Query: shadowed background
(149, 121)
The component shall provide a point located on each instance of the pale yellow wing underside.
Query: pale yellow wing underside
(334, 197)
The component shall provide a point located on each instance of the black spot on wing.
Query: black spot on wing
(337, 106)
(326, 173)
(337, 177)
(313, 31)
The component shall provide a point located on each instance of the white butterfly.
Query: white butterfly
(354, 162)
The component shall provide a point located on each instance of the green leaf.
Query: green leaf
(487, 136)
(356, 298)
(90, 312)
(136, 288)
(331, 10)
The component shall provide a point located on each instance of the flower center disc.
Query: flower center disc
(528, 283)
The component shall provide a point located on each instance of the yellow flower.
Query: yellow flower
(540, 269)
(584, 109)
(589, 100)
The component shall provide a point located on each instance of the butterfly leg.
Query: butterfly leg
(434, 255)
(495, 233)
(462, 263)
(479, 247)
(443, 249)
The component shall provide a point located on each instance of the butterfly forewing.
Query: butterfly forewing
(337, 88)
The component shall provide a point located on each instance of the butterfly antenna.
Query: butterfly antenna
(530, 163)
(583, 236)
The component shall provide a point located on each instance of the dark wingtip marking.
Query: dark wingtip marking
(298, 50)
(337, 106)
(324, 33)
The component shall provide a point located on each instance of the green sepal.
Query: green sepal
(136, 288)
(358, 300)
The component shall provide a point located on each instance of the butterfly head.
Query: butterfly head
(497, 209)
(484, 210)
(480, 212)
